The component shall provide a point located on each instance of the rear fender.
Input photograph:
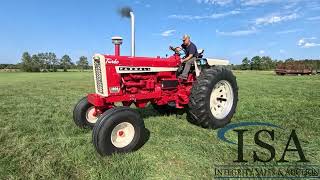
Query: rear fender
(217, 62)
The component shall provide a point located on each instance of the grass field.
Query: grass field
(38, 139)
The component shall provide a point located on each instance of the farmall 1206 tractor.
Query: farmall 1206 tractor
(209, 95)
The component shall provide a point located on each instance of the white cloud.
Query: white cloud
(288, 31)
(273, 19)
(287, 4)
(282, 51)
(262, 52)
(308, 42)
(315, 8)
(314, 18)
(241, 52)
(215, 2)
(212, 16)
(313, 5)
(309, 45)
(272, 43)
(168, 33)
(256, 2)
(303, 40)
(237, 33)
(290, 5)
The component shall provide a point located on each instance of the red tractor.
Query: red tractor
(209, 95)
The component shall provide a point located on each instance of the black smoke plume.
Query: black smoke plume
(125, 11)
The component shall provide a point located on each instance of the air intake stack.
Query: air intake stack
(117, 41)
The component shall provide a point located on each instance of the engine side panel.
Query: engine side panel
(139, 80)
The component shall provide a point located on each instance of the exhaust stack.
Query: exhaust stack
(128, 13)
(133, 52)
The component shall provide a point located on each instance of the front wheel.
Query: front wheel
(213, 98)
(118, 130)
(84, 114)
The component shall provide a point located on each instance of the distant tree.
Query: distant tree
(235, 67)
(289, 60)
(245, 64)
(83, 63)
(267, 63)
(44, 62)
(53, 61)
(47, 61)
(65, 62)
(256, 63)
(26, 64)
(35, 63)
(9, 66)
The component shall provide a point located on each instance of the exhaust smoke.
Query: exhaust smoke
(128, 13)
(125, 11)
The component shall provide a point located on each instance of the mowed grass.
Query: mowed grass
(38, 139)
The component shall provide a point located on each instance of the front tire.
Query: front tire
(214, 98)
(83, 114)
(118, 130)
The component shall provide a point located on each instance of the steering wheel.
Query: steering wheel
(173, 49)
(176, 51)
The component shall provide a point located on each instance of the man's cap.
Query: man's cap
(186, 36)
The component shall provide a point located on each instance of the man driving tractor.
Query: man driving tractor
(191, 52)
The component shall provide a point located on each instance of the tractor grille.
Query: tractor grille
(97, 71)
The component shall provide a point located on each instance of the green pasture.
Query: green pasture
(38, 139)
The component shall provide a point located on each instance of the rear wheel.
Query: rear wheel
(84, 114)
(213, 98)
(118, 130)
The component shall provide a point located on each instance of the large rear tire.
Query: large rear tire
(118, 130)
(213, 98)
(83, 114)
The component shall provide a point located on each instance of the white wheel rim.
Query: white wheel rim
(221, 99)
(122, 135)
(90, 115)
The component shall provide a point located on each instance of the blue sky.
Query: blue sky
(230, 29)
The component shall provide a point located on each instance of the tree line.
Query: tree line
(266, 63)
(44, 62)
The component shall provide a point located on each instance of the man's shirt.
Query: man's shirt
(191, 49)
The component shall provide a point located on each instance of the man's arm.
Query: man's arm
(187, 58)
